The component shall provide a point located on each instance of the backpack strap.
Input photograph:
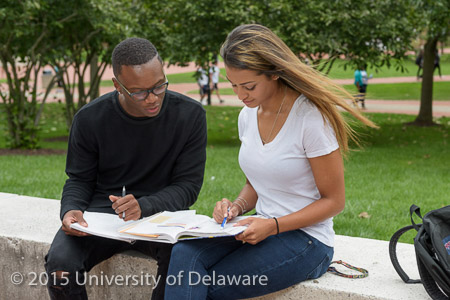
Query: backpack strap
(414, 209)
(393, 252)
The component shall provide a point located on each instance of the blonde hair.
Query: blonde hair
(255, 47)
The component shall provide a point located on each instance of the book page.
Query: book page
(166, 224)
(104, 225)
(210, 228)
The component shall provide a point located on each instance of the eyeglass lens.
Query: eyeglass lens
(142, 95)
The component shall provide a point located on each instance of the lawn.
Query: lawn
(399, 165)
(410, 69)
(386, 91)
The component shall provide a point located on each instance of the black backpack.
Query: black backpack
(432, 247)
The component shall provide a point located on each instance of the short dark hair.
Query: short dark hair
(133, 52)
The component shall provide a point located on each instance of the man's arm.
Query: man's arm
(81, 168)
(187, 175)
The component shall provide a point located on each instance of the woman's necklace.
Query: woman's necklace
(276, 118)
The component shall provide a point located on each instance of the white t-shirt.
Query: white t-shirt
(280, 171)
(215, 71)
(203, 79)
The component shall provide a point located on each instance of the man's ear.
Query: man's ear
(116, 85)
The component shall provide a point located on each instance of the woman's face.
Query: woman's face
(252, 89)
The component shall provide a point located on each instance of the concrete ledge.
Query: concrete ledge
(29, 224)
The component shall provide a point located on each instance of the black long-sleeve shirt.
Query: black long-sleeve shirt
(160, 160)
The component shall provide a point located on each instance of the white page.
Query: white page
(104, 225)
(212, 227)
(166, 223)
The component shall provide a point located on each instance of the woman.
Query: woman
(292, 136)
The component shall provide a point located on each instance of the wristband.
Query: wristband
(278, 227)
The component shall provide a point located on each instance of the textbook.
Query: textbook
(164, 227)
(171, 227)
(104, 225)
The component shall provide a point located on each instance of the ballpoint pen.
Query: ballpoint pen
(124, 193)
(225, 219)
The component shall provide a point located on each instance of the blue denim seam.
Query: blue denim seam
(194, 261)
(318, 266)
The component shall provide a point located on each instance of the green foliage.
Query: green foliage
(23, 51)
(95, 30)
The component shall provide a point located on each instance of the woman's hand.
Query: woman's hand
(258, 230)
(221, 210)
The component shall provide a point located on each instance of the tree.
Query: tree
(366, 31)
(321, 30)
(85, 45)
(195, 30)
(435, 17)
(24, 48)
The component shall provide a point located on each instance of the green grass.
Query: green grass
(338, 71)
(403, 91)
(386, 91)
(398, 166)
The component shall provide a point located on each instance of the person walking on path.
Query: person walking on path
(419, 63)
(437, 62)
(215, 75)
(361, 82)
(142, 136)
(203, 83)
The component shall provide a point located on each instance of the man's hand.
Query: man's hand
(127, 204)
(73, 216)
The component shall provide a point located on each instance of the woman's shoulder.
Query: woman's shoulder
(246, 112)
(305, 108)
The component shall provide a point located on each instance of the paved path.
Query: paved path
(411, 107)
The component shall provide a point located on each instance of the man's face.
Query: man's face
(140, 78)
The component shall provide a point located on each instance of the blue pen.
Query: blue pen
(225, 219)
(124, 193)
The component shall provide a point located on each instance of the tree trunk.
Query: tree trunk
(425, 117)
(94, 90)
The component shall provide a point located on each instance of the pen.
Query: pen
(225, 219)
(124, 193)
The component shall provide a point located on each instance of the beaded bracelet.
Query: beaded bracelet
(333, 270)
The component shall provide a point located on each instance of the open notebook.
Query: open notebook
(165, 227)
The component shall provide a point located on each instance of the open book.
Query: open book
(165, 227)
(104, 225)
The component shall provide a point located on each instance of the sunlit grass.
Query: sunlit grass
(399, 165)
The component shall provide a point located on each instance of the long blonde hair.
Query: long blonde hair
(255, 47)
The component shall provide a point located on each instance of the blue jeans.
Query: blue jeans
(223, 268)
(77, 255)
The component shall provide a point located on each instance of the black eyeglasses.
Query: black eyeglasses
(142, 95)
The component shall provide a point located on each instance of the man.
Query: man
(361, 82)
(141, 136)
(203, 81)
(214, 70)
